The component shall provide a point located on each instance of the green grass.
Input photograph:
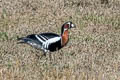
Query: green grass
(3, 36)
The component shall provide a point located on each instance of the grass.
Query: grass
(91, 54)
(3, 36)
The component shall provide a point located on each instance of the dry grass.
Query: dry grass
(93, 52)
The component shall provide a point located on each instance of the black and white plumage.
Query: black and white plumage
(49, 41)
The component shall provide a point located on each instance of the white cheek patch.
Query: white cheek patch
(72, 25)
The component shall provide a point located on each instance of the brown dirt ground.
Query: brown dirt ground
(93, 52)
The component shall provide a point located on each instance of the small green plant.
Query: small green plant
(4, 14)
(3, 36)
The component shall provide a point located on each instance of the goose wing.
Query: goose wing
(40, 40)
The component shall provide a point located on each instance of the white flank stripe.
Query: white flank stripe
(50, 41)
(39, 38)
(53, 40)
(46, 43)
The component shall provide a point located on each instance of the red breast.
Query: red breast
(65, 37)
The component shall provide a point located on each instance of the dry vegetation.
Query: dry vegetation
(93, 52)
